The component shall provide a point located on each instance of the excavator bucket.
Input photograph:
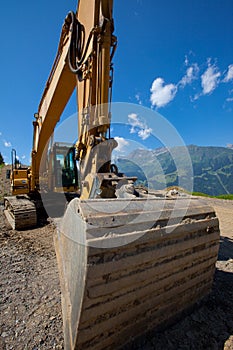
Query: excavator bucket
(129, 265)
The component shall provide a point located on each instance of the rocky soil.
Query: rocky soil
(30, 310)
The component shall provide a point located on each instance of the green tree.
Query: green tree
(1, 159)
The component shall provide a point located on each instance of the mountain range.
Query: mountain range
(208, 169)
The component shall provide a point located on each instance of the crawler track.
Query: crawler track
(20, 212)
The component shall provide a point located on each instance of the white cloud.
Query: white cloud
(191, 74)
(210, 79)
(195, 97)
(162, 94)
(229, 99)
(134, 121)
(122, 144)
(144, 133)
(229, 75)
(0, 133)
(186, 61)
(7, 144)
(137, 96)
(136, 124)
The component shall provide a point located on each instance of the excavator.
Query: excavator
(129, 262)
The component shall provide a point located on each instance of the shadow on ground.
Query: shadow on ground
(226, 249)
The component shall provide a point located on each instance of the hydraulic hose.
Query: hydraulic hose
(77, 52)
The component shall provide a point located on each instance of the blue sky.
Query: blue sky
(175, 57)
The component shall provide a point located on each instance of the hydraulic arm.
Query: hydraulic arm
(84, 60)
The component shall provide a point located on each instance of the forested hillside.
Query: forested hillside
(212, 168)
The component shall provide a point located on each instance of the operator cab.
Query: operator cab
(64, 170)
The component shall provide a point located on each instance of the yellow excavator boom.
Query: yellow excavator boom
(83, 60)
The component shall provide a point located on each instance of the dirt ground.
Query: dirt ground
(30, 310)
